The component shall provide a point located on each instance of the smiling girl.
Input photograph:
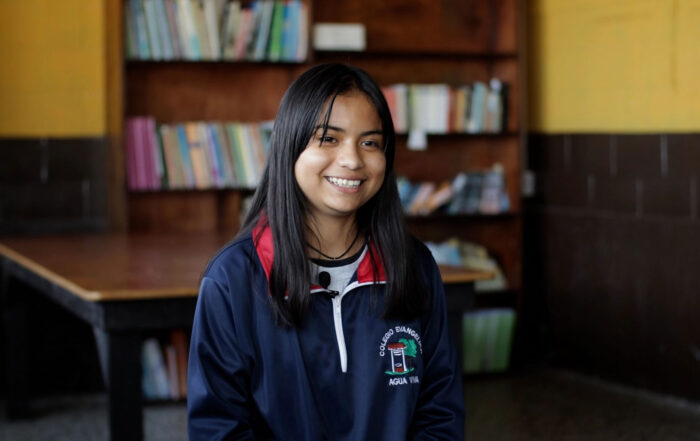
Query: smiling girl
(323, 319)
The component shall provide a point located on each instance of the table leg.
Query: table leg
(120, 357)
(14, 319)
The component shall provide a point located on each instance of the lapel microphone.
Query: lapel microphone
(324, 279)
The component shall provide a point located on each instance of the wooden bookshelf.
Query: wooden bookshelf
(452, 42)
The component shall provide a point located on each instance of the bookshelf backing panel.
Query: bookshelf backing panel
(185, 211)
(427, 26)
(505, 35)
(176, 92)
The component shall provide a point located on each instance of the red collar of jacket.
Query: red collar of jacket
(262, 238)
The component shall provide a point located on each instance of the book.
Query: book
(263, 34)
(141, 29)
(212, 157)
(158, 175)
(165, 39)
(274, 47)
(303, 39)
(171, 368)
(175, 38)
(197, 156)
(190, 180)
(179, 341)
(487, 339)
(152, 29)
(131, 45)
(211, 20)
(476, 120)
(232, 16)
(243, 33)
(236, 153)
(254, 30)
(200, 27)
(290, 37)
(188, 28)
(155, 364)
(173, 163)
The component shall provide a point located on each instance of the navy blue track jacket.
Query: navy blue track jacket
(345, 374)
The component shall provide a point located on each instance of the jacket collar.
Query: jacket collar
(262, 238)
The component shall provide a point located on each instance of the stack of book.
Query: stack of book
(216, 30)
(455, 252)
(164, 367)
(440, 109)
(193, 155)
(487, 339)
(468, 193)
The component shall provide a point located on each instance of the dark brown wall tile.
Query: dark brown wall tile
(590, 154)
(666, 196)
(614, 194)
(75, 159)
(638, 155)
(22, 160)
(60, 200)
(683, 154)
(564, 190)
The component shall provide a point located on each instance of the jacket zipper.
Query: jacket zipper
(340, 336)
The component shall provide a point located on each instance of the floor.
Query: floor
(534, 405)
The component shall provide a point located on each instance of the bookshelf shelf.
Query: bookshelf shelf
(182, 191)
(462, 135)
(408, 54)
(206, 63)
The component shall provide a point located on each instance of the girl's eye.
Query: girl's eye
(326, 139)
(370, 143)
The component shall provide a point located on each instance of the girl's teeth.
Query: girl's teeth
(345, 182)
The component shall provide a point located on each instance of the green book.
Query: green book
(473, 337)
(238, 164)
(504, 339)
(274, 47)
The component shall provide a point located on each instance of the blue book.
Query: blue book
(290, 35)
(149, 10)
(140, 27)
(164, 30)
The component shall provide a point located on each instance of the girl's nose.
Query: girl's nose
(349, 156)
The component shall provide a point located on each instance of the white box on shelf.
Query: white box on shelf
(339, 37)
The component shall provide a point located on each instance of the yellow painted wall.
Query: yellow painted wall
(52, 68)
(614, 65)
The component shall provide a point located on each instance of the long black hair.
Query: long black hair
(281, 204)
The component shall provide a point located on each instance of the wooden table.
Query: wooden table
(126, 286)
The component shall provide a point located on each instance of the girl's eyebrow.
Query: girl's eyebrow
(338, 129)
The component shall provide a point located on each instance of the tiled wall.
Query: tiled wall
(52, 185)
(612, 255)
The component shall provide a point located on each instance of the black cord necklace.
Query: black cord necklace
(335, 258)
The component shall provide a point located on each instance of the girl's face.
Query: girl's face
(341, 171)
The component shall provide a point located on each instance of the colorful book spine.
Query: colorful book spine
(274, 49)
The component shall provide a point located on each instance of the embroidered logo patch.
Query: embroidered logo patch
(400, 347)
